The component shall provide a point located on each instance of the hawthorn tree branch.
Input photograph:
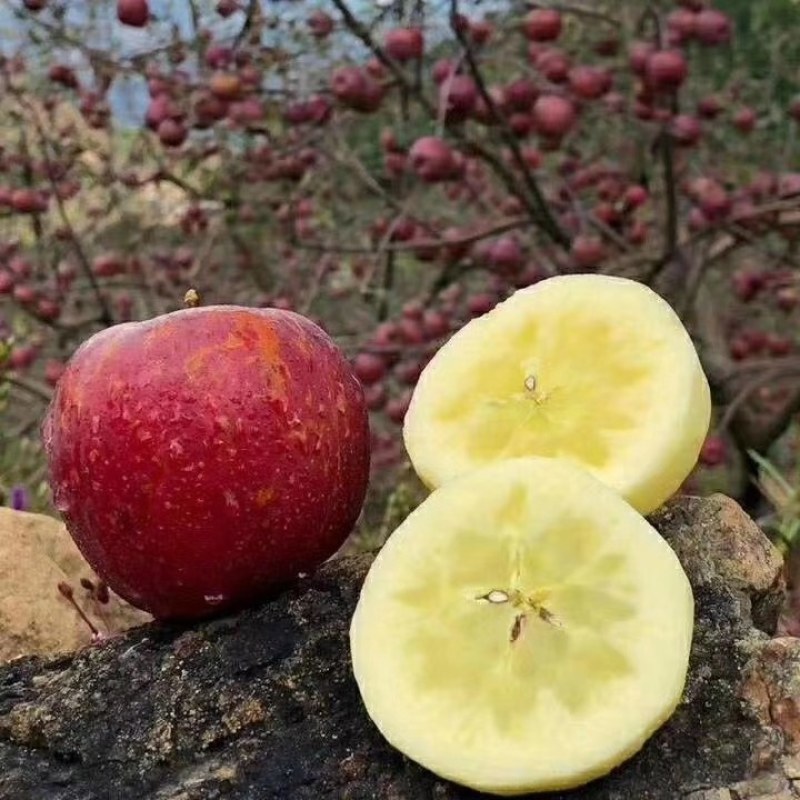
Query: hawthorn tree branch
(29, 385)
(533, 198)
(578, 11)
(472, 146)
(106, 317)
(415, 245)
(671, 197)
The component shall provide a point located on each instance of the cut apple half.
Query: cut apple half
(524, 630)
(593, 369)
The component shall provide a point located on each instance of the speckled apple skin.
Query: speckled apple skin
(206, 457)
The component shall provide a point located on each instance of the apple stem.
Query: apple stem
(192, 298)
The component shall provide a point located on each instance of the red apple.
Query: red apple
(28, 201)
(710, 107)
(686, 129)
(745, 120)
(369, 368)
(682, 24)
(135, 13)
(53, 370)
(25, 294)
(554, 116)
(22, 357)
(6, 282)
(505, 254)
(520, 94)
(542, 25)
(375, 397)
(635, 196)
(443, 69)
(666, 69)
(713, 452)
(553, 63)
(481, 303)
(355, 88)
(320, 24)
(172, 133)
(712, 27)
(638, 55)
(435, 324)
(433, 160)
(404, 44)
(587, 251)
(481, 30)
(589, 83)
(208, 456)
(397, 407)
(458, 96)
(227, 8)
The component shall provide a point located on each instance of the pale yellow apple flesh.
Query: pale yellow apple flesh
(524, 630)
(592, 369)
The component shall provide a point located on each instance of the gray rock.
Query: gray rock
(263, 706)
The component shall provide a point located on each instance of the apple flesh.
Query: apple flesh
(204, 458)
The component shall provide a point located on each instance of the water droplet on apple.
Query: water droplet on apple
(214, 599)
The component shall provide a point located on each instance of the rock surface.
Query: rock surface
(262, 706)
(36, 553)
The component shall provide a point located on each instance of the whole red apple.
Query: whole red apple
(404, 44)
(135, 13)
(666, 69)
(205, 457)
(433, 159)
(554, 116)
(542, 25)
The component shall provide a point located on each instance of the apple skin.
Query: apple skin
(204, 458)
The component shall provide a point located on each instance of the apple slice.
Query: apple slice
(523, 630)
(593, 369)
